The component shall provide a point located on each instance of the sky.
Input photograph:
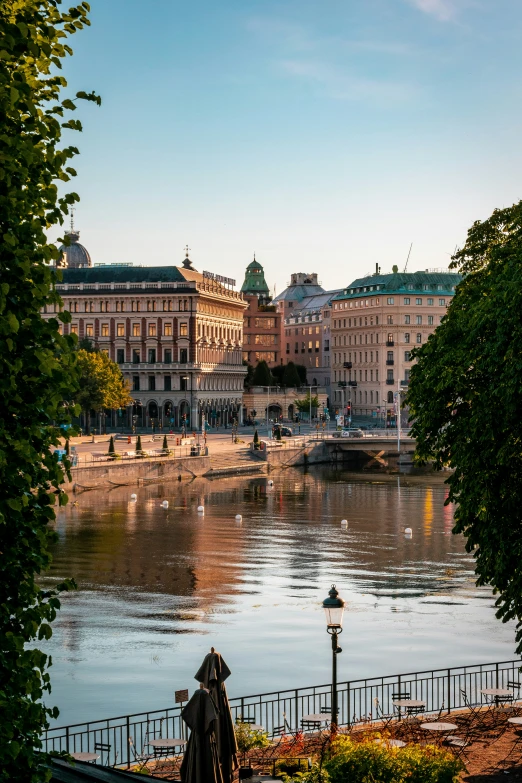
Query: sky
(322, 136)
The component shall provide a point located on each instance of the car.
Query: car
(286, 432)
(352, 433)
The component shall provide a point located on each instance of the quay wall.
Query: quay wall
(137, 471)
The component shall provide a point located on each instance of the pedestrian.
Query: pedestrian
(128, 438)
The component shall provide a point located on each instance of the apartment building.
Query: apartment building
(375, 324)
(262, 321)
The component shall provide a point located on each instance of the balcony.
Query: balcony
(390, 381)
(390, 362)
(347, 365)
(405, 382)
(390, 343)
(353, 384)
(341, 384)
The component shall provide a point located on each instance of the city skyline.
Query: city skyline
(321, 139)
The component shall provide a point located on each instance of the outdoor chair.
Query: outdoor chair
(476, 714)
(310, 725)
(103, 748)
(458, 745)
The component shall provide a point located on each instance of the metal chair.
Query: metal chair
(101, 748)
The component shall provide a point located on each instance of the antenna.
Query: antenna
(406, 264)
(187, 248)
(73, 210)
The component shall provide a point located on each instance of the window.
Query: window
(120, 330)
(317, 346)
(418, 301)
(74, 329)
(406, 356)
(430, 320)
(406, 319)
(167, 383)
(183, 356)
(136, 330)
(152, 355)
(296, 347)
(89, 330)
(389, 319)
(389, 356)
(430, 301)
(167, 330)
(418, 319)
(265, 323)
(407, 338)
(119, 307)
(389, 375)
(120, 355)
(135, 356)
(267, 356)
(442, 303)
(167, 356)
(105, 330)
(265, 339)
(183, 330)
(390, 338)
(419, 338)
(389, 300)
(152, 383)
(406, 300)
(135, 383)
(152, 330)
(406, 375)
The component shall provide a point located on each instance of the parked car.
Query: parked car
(352, 433)
(286, 432)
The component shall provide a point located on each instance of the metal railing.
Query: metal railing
(83, 460)
(358, 700)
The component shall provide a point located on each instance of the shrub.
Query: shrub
(165, 443)
(248, 738)
(139, 447)
(112, 450)
(256, 440)
(359, 762)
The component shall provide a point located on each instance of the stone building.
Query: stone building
(376, 322)
(262, 321)
(175, 332)
(276, 402)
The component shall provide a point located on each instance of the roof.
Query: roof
(128, 274)
(254, 282)
(298, 292)
(402, 282)
(74, 254)
(316, 301)
(82, 772)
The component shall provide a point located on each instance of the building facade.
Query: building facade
(271, 404)
(376, 322)
(176, 334)
(262, 321)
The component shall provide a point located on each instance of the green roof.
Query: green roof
(255, 282)
(402, 283)
(126, 274)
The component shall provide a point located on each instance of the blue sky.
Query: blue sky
(324, 136)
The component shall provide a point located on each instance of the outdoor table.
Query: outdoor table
(256, 727)
(516, 721)
(317, 717)
(440, 726)
(85, 756)
(392, 743)
(164, 743)
(497, 694)
(405, 703)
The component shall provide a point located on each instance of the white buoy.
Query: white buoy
(270, 483)
(238, 517)
(201, 509)
(134, 496)
(344, 522)
(165, 504)
(408, 531)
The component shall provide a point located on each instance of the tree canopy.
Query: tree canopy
(262, 375)
(465, 399)
(291, 376)
(101, 382)
(304, 404)
(37, 371)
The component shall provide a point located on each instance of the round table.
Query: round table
(167, 742)
(516, 721)
(85, 756)
(255, 726)
(392, 743)
(409, 703)
(497, 692)
(439, 725)
(317, 717)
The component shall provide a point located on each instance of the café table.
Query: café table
(408, 704)
(392, 743)
(497, 694)
(440, 727)
(317, 717)
(164, 744)
(85, 756)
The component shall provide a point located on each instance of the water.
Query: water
(158, 587)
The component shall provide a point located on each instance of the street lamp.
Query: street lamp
(334, 608)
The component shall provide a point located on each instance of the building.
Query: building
(175, 332)
(273, 403)
(376, 322)
(262, 321)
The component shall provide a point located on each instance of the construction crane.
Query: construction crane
(406, 264)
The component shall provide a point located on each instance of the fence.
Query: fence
(97, 458)
(439, 689)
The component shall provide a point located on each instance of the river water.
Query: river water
(158, 588)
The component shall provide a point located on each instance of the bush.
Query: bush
(256, 440)
(139, 447)
(112, 450)
(359, 762)
(248, 738)
(165, 443)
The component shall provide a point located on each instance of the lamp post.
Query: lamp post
(334, 608)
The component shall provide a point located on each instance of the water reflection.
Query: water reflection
(158, 587)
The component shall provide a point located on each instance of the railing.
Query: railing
(83, 460)
(440, 689)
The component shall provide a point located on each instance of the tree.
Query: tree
(139, 447)
(165, 443)
(37, 363)
(465, 400)
(301, 369)
(102, 384)
(256, 439)
(112, 450)
(291, 376)
(304, 405)
(248, 377)
(262, 375)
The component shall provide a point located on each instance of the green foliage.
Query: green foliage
(465, 399)
(37, 371)
(112, 450)
(291, 376)
(303, 406)
(102, 384)
(139, 447)
(262, 375)
(249, 738)
(278, 433)
(301, 370)
(248, 377)
(359, 762)
(256, 439)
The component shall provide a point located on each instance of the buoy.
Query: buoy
(270, 483)
(165, 504)
(408, 531)
(344, 522)
(238, 517)
(201, 509)
(134, 496)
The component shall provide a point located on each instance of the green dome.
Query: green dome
(255, 283)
